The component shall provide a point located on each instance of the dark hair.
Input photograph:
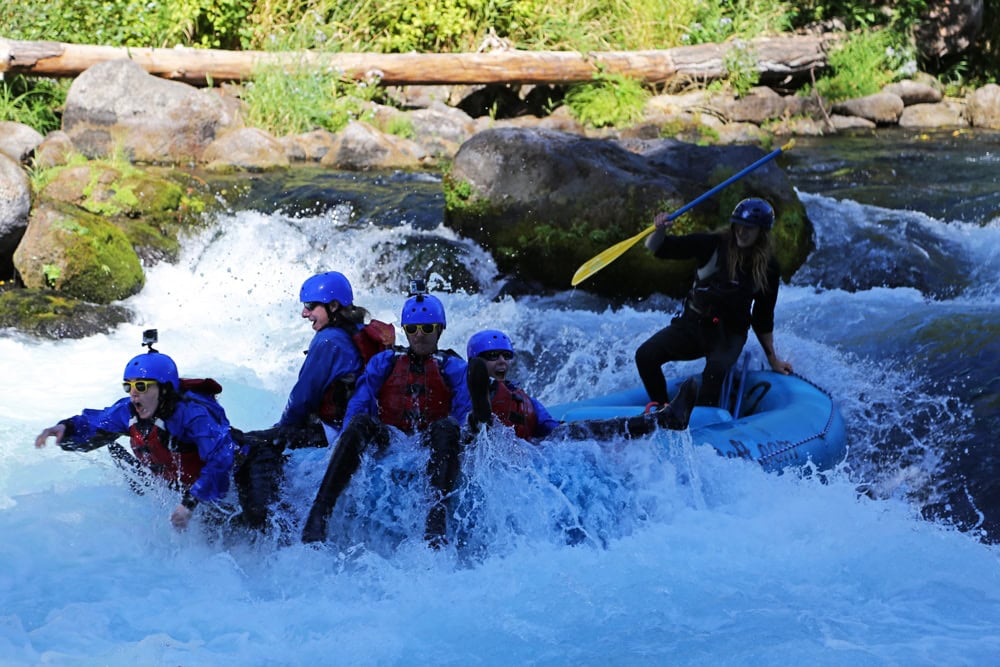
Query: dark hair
(757, 256)
(168, 400)
(348, 317)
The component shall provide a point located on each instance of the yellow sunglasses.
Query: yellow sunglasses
(139, 385)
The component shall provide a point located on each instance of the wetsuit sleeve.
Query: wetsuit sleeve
(545, 421)
(365, 398)
(215, 447)
(330, 357)
(96, 423)
(689, 246)
(453, 369)
(762, 315)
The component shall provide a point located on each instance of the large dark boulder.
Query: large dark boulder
(544, 202)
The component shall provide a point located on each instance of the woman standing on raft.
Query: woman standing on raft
(736, 288)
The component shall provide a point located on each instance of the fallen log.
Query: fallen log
(776, 57)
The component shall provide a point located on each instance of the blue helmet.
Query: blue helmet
(487, 340)
(327, 287)
(753, 212)
(153, 366)
(423, 309)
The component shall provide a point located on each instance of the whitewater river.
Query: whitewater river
(687, 558)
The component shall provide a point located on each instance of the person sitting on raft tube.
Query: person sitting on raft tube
(182, 437)
(490, 355)
(417, 389)
(735, 288)
(335, 358)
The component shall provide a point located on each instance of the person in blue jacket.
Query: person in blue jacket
(183, 437)
(333, 361)
(336, 356)
(417, 389)
(490, 354)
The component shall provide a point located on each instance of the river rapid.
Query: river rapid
(686, 558)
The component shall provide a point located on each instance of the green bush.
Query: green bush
(206, 23)
(611, 99)
(861, 66)
(32, 102)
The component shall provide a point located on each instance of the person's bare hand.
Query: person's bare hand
(662, 220)
(180, 517)
(57, 432)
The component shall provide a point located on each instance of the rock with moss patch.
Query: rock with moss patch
(49, 315)
(78, 254)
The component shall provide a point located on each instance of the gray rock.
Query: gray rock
(983, 106)
(54, 150)
(18, 140)
(359, 146)
(942, 114)
(880, 108)
(117, 103)
(912, 92)
(15, 205)
(245, 149)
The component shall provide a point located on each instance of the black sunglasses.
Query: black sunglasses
(311, 305)
(426, 329)
(493, 355)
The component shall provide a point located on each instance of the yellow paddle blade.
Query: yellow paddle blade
(598, 262)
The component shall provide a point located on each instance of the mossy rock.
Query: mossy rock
(152, 205)
(78, 254)
(47, 314)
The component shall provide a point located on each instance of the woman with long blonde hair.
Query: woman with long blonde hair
(735, 288)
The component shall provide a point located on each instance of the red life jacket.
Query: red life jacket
(414, 395)
(514, 408)
(370, 339)
(177, 463)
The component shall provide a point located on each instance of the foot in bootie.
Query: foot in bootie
(678, 413)
(477, 377)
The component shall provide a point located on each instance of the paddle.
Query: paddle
(599, 261)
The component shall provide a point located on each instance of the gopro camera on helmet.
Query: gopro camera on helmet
(417, 286)
(149, 338)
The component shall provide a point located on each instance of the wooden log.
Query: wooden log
(776, 57)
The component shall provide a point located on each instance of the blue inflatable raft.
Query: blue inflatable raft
(774, 419)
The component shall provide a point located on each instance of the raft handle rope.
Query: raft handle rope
(826, 428)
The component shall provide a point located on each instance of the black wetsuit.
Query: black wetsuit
(716, 317)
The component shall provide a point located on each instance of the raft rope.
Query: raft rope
(821, 434)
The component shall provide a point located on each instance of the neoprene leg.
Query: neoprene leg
(725, 350)
(443, 438)
(681, 340)
(258, 482)
(344, 462)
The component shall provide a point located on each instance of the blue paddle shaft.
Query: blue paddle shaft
(735, 177)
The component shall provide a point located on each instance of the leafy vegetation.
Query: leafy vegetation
(861, 66)
(307, 99)
(32, 102)
(610, 100)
